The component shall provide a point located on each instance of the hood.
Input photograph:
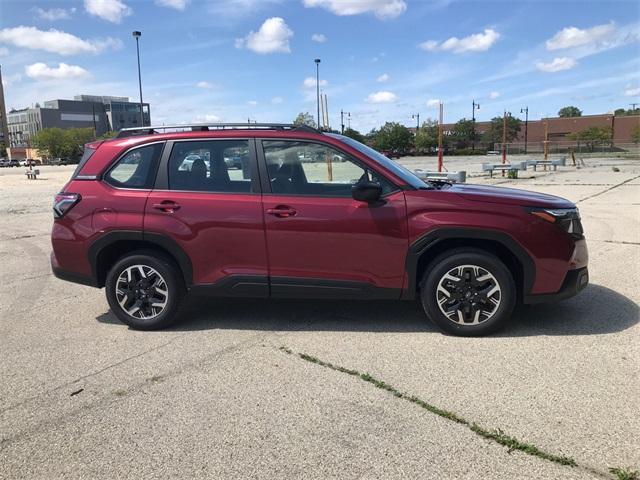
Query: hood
(509, 196)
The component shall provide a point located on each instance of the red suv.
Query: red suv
(287, 211)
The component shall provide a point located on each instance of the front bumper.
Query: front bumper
(575, 281)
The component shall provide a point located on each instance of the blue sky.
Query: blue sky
(382, 60)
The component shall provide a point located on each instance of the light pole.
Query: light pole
(317, 62)
(342, 114)
(136, 34)
(525, 110)
(474, 106)
(417, 115)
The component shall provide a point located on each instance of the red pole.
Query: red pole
(440, 139)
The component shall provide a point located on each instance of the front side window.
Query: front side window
(210, 166)
(306, 168)
(137, 168)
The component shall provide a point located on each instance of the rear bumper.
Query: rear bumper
(71, 276)
(575, 281)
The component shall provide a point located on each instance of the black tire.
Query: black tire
(171, 278)
(463, 292)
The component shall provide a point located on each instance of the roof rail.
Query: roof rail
(206, 127)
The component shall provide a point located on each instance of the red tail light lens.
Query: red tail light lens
(64, 202)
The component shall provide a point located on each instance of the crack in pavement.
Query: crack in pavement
(496, 435)
(607, 189)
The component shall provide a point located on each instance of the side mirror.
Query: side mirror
(366, 191)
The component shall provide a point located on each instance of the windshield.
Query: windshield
(397, 169)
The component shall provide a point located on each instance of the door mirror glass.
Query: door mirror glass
(366, 191)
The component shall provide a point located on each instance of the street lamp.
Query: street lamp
(474, 106)
(317, 61)
(342, 114)
(136, 34)
(525, 110)
(417, 116)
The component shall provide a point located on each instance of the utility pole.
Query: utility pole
(417, 115)
(474, 106)
(525, 110)
(440, 137)
(342, 114)
(317, 62)
(504, 139)
(633, 105)
(546, 140)
(136, 34)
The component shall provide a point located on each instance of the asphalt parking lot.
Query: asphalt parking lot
(217, 396)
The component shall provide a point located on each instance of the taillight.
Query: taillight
(64, 202)
(568, 219)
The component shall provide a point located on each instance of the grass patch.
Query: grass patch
(497, 436)
(625, 473)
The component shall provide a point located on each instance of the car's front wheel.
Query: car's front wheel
(468, 292)
(145, 290)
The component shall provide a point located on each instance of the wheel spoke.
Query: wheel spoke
(141, 292)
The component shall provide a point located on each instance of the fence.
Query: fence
(565, 147)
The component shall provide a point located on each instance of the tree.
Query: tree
(356, 135)
(305, 118)
(621, 112)
(463, 134)
(570, 111)
(3, 150)
(494, 134)
(58, 143)
(593, 136)
(394, 137)
(427, 137)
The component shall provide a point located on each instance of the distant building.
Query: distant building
(101, 113)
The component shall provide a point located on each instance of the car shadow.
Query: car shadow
(597, 310)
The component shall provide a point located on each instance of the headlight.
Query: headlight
(566, 218)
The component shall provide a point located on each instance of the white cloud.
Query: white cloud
(110, 10)
(383, 78)
(54, 41)
(557, 65)
(176, 4)
(207, 118)
(433, 103)
(494, 94)
(380, 8)
(252, 103)
(310, 82)
(41, 71)
(632, 92)
(319, 37)
(4, 51)
(478, 42)
(277, 100)
(382, 97)
(204, 84)
(272, 37)
(9, 80)
(575, 37)
(53, 14)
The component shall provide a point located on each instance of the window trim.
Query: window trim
(264, 173)
(105, 174)
(161, 183)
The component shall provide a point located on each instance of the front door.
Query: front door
(207, 200)
(320, 241)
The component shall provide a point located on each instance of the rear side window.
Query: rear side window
(88, 152)
(137, 168)
(211, 166)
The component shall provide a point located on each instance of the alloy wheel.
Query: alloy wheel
(141, 292)
(468, 295)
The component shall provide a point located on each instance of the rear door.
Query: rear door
(207, 200)
(320, 241)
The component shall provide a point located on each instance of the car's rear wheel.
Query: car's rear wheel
(145, 291)
(468, 292)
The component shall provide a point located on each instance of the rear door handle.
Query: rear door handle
(168, 206)
(282, 212)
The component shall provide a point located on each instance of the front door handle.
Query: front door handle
(282, 211)
(168, 206)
